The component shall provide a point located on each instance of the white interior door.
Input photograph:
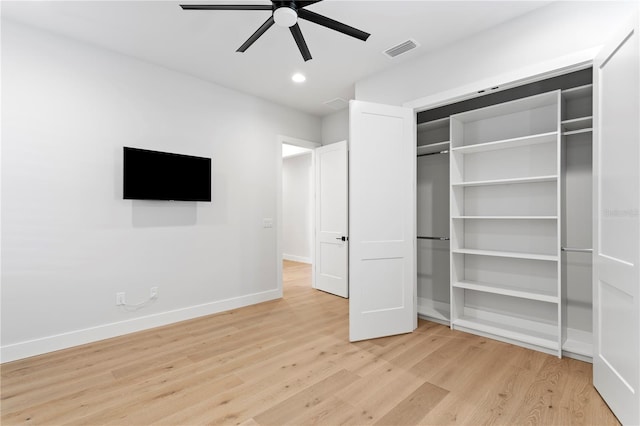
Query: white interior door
(332, 245)
(616, 361)
(382, 221)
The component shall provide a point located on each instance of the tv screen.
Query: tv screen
(154, 175)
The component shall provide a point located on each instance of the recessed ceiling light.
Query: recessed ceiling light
(298, 78)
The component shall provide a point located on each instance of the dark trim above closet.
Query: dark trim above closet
(565, 81)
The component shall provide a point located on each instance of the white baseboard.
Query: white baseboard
(57, 342)
(295, 258)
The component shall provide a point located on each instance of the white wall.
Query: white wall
(297, 205)
(335, 127)
(541, 36)
(69, 240)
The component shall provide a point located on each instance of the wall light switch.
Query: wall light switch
(267, 222)
(120, 301)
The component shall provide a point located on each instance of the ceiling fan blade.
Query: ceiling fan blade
(263, 28)
(301, 4)
(226, 7)
(302, 45)
(334, 25)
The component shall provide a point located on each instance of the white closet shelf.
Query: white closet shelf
(506, 217)
(532, 179)
(432, 147)
(433, 124)
(577, 92)
(508, 143)
(530, 336)
(510, 254)
(577, 123)
(507, 290)
(576, 132)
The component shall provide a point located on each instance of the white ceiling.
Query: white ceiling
(203, 43)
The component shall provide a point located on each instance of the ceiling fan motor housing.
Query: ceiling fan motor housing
(285, 16)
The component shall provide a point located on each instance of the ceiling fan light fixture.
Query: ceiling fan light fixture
(285, 17)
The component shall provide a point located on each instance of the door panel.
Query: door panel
(382, 190)
(332, 253)
(616, 362)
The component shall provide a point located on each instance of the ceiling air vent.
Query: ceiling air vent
(337, 103)
(403, 47)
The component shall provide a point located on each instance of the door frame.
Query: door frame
(281, 139)
(559, 66)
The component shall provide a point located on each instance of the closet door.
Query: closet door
(382, 221)
(616, 361)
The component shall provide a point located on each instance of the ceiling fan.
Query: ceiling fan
(285, 14)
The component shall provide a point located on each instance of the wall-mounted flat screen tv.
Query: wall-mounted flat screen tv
(154, 175)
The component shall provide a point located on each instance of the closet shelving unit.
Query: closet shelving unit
(505, 166)
(518, 192)
(433, 220)
(433, 137)
(577, 113)
(576, 178)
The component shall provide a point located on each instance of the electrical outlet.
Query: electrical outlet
(120, 299)
(154, 292)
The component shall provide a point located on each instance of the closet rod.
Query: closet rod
(434, 238)
(433, 153)
(578, 250)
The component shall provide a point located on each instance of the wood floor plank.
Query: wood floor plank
(266, 390)
(502, 395)
(310, 397)
(583, 401)
(488, 392)
(444, 357)
(331, 412)
(466, 377)
(379, 392)
(289, 361)
(412, 409)
(540, 402)
(285, 379)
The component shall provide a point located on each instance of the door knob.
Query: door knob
(343, 238)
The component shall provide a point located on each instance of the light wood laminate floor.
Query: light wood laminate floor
(290, 362)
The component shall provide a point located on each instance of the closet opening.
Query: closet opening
(504, 202)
